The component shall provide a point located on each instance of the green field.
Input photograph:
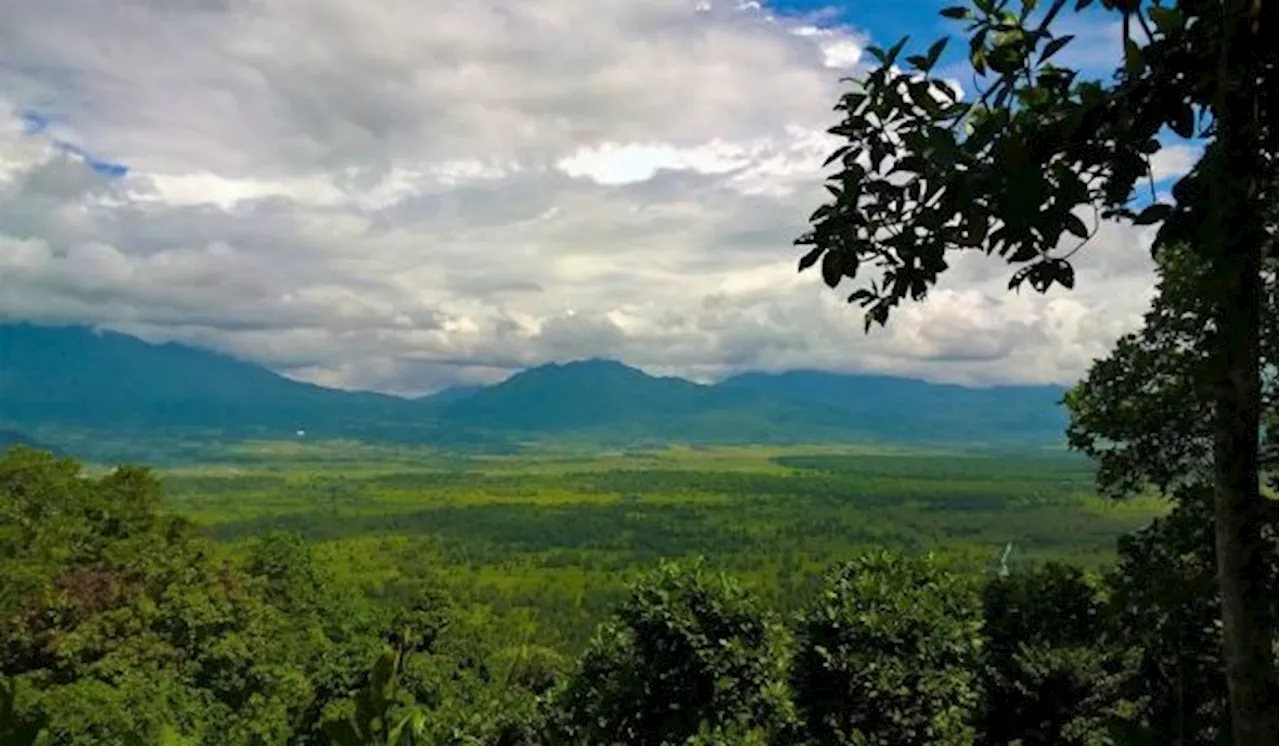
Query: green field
(548, 538)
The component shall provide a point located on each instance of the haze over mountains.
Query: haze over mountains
(75, 377)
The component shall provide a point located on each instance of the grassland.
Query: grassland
(549, 537)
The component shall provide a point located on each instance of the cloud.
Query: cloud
(1174, 160)
(405, 195)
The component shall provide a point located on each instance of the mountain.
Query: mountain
(908, 409)
(577, 395)
(74, 376)
(88, 384)
(609, 399)
(77, 374)
(609, 402)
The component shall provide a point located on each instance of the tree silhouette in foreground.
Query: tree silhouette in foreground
(1034, 161)
(1144, 414)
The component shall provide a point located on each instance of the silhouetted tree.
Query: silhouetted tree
(1019, 168)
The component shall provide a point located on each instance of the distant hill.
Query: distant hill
(608, 398)
(577, 395)
(74, 377)
(11, 438)
(907, 409)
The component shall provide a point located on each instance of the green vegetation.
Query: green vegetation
(496, 600)
(554, 536)
(512, 600)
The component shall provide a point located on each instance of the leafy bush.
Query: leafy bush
(688, 656)
(887, 655)
(1048, 674)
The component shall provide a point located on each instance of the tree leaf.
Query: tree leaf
(910, 164)
(1064, 273)
(1075, 226)
(978, 59)
(809, 259)
(1183, 121)
(1153, 214)
(851, 101)
(956, 12)
(1166, 19)
(935, 51)
(1055, 46)
(837, 155)
(893, 52)
(831, 269)
(1132, 58)
(1018, 277)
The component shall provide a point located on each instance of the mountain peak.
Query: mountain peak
(576, 394)
(587, 364)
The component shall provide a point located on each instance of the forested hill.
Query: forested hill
(10, 438)
(80, 378)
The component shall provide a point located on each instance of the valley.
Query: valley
(542, 497)
(552, 537)
(507, 553)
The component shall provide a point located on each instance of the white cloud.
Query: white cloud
(405, 194)
(840, 50)
(626, 164)
(1174, 160)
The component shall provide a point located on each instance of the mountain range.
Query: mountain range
(74, 377)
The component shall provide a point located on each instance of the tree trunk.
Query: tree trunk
(1238, 505)
(1239, 232)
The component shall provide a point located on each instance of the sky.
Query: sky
(403, 195)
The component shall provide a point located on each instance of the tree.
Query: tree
(118, 626)
(334, 629)
(1145, 412)
(1165, 610)
(689, 657)
(1048, 675)
(381, 713)
(1145, 415)
(1018, 169)
(887, 654)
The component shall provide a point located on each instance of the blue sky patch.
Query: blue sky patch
(35, 123)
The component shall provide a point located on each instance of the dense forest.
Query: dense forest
(551, 540)
(123, 625)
